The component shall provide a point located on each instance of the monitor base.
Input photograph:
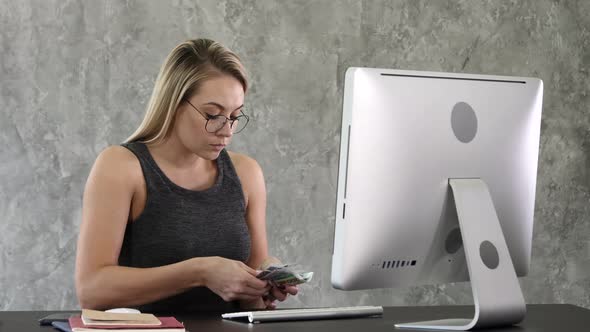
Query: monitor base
(497, 295)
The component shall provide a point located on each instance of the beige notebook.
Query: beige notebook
(96, 317)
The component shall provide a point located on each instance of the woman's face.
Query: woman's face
(220, 95)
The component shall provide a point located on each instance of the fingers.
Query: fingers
(254, 287)
(270, 305)
(269, 301)
(261, 285)
(245, 297)
(256, 291)
(269, 261)
(245, 287)
(229, 296)
(293, 290)
(245, 293)
(252, 281)
(249, 269)
(278, 294)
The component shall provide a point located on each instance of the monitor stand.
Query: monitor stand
(497, 295)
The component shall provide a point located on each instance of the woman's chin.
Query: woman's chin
(208, 154)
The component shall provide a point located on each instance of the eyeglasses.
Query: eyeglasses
(216, 122)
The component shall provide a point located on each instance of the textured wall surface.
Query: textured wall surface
(75, 77)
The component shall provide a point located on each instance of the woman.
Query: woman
(172, 221)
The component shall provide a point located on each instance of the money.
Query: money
(284, 275)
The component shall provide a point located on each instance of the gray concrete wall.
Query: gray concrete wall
(75, 77)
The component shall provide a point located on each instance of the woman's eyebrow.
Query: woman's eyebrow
(221, 106)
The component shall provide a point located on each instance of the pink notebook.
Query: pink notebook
(169, 324)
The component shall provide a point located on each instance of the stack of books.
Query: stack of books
(97, 321)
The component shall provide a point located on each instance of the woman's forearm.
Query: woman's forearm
(120, 286)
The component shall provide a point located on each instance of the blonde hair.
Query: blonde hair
(184, 70)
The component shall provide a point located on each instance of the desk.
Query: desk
(540, 318)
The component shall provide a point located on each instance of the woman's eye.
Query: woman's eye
(210, 117)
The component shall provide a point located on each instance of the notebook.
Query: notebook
(96, 317)
(167, 324)
(62, 326)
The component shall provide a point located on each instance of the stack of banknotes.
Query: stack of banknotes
(284, 275)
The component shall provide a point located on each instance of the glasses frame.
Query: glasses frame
(218, 116)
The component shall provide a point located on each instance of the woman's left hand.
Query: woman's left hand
(279, 293)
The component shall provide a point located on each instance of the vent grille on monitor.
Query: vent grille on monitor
(394, 264)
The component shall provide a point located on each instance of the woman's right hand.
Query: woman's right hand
(233, 280)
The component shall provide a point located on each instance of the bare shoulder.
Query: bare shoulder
(245, 165)
(117, 162)
(250, 175)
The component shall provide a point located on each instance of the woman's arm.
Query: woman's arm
(101, 283)
(252, 179)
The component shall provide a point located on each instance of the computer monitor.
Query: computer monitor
(436, 184)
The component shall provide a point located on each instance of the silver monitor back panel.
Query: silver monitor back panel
(404, 134)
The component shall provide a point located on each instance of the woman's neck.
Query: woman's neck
(173, 152)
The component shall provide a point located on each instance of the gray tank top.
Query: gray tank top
(177, 224)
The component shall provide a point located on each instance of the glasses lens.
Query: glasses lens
(239, 124)
(215, 124)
